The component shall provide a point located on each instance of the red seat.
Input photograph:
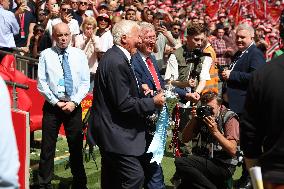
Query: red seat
(37, 104)
(28, 100)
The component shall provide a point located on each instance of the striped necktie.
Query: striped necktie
(68, 82)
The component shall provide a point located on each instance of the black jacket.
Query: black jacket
(261, 129)
(118, 112)
(237, 83)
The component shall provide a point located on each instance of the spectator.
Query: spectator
(115, 19)
(27, 22)
(106, 39)
(103, 8)
(64, 80)
(9, 164)
(88, 42)
(40, 41)
(66, 17)
(163, 37)
(8, 22)
(40, 16)
(220, 47)
(130, 13)
(74, 5)
(52, 9)
(222, 19)
(80, 14)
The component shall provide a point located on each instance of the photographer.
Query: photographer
(216, 133)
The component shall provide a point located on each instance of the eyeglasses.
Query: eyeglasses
(103, 19)
(84, 3)
(73, 2)
(39, 30)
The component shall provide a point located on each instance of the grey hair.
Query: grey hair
(245, 26)
(121, 28)
(146, 26)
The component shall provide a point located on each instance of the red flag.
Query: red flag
(234, 9)
(228, 4)
(212, 10)
(274, 12)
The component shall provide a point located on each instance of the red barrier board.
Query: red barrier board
(22, 132)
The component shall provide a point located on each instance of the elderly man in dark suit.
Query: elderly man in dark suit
(119, 112)
(248, 58)
(149, 80)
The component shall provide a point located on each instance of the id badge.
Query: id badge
(61, 87)
(23, 35)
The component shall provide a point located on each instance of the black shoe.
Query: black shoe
(243, 183)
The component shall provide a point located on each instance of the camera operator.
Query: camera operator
(214, 131)
(193, 64)
(193, 70)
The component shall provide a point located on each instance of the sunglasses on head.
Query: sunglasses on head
(84, 3)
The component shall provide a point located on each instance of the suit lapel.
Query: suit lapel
(145, 69)
(118, 50)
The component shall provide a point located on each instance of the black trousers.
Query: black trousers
(53, 117)
(120, 171)
(200, 173)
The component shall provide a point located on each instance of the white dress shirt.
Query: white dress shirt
(9, 157)
(50, 75)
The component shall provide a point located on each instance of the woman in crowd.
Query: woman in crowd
(88, 42)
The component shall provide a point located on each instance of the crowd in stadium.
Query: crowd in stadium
(216, 56)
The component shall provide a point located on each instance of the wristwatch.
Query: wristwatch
(76, 104)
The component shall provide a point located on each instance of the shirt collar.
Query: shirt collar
(144, 57)
(248, 47)
(59, 50)
(127, 54)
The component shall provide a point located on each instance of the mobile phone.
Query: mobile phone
(162, 23)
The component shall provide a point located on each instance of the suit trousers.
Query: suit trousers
(121, 171)
(154, 178)
(53, 117)
(197, 172)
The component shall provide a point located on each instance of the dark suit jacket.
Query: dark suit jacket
(118, 112)
(237, 83)
(143, 74)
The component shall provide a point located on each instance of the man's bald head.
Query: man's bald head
(61, 34)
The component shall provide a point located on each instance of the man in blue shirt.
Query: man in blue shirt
(8, 28)
(64, 80)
